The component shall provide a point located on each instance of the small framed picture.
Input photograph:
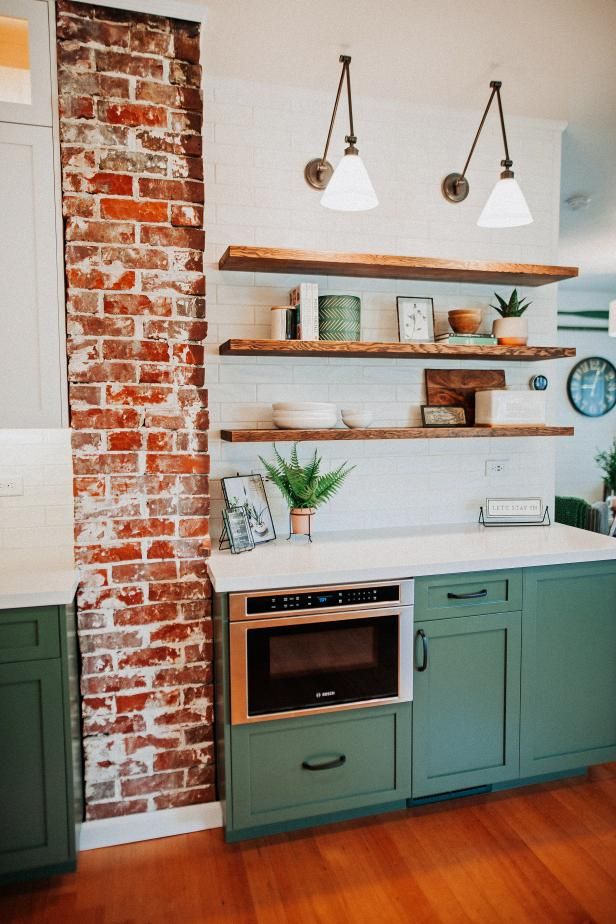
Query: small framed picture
(237, 531)
(415, 319)
(248, 492)
(434, 415)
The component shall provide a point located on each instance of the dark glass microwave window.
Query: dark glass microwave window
(321, 664)
(312, 652)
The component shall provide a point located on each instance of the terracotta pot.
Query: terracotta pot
(465, 320)
(300, 520)
(511, 331)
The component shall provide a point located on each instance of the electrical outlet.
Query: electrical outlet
(497, 467)
(11, 487)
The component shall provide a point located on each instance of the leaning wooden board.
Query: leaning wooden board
(458, 386)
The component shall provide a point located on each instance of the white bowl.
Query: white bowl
(308, 406)
(291, 420)
(356, 417)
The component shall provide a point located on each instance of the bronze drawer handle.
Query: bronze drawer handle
(328, 765)
(473, 596)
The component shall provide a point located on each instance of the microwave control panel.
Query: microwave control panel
(335, 598)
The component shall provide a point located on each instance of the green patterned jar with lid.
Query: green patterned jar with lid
(339, 317)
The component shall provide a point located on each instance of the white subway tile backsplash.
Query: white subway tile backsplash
(41, 517)
(257, 195)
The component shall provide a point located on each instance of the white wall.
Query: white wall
(40, 521)
(577, 474)
(258, 139)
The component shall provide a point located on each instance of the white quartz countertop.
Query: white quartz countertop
(383, 554)
(36, 583)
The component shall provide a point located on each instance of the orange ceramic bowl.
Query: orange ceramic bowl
(465, 320)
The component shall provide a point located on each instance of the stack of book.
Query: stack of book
(452, 339)
(305, 299)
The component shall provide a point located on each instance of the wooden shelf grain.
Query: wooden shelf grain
(376, 350)
(386, 266)
(390, 433)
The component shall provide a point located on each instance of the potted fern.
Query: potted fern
(606, 461)
(304, 487)
(511, 329)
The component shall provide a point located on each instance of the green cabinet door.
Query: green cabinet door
(34, 829)
(568, 667)
(466, 703)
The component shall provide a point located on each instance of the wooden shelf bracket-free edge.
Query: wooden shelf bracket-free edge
(386, 266)
(375, 350)
(390, 433)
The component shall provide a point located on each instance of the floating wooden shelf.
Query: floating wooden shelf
(385, 266)
(390, 433)
(375, 350)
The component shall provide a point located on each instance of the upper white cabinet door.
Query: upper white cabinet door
(31, 339)
(25, 69)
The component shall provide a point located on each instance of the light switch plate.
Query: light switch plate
(11, 487)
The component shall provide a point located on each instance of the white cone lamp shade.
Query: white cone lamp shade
(350, 189)
(506, 206)
(612, 322)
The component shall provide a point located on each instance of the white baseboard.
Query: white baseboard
(146, 826)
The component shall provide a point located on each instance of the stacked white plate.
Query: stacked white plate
(304, 415)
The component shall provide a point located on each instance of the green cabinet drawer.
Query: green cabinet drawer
(465, 594)
(298, 768)
(466, 706)
(568, 667)
(29, 633)
(34, 813)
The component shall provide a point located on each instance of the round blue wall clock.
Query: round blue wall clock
(591, 386)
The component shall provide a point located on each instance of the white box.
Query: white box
(502, 407)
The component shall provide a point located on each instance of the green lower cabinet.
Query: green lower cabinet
(299, 768)
(466, 707)
(568, 667)
(34, 813)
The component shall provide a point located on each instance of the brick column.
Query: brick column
(132, 181)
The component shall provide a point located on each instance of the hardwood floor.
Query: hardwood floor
(541, 854)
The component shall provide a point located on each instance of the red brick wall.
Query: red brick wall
(131, 117)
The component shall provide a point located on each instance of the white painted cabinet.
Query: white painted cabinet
(25, 62)
(32, 342)
(32, 363)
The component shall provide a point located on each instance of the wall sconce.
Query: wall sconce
(348, 187)
(506, 206)
(612, 320)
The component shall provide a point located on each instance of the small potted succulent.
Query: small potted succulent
(606, 461)
(304, 487)
(511, 329)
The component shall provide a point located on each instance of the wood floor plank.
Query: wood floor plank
(538, 855)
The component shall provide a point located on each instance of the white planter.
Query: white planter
(511, 331)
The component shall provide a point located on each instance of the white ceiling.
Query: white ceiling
(556, 59)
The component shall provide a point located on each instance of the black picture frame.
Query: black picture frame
(237, 531)
(429, 318)
(442, 410)
(248, 492)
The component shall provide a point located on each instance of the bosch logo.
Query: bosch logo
(325, 693)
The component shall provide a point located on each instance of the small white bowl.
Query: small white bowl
(356, 417)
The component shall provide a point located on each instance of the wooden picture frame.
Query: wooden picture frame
(415, 319)
(443, 415)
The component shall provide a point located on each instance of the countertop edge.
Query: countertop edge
(349, 575)
(57, 596)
